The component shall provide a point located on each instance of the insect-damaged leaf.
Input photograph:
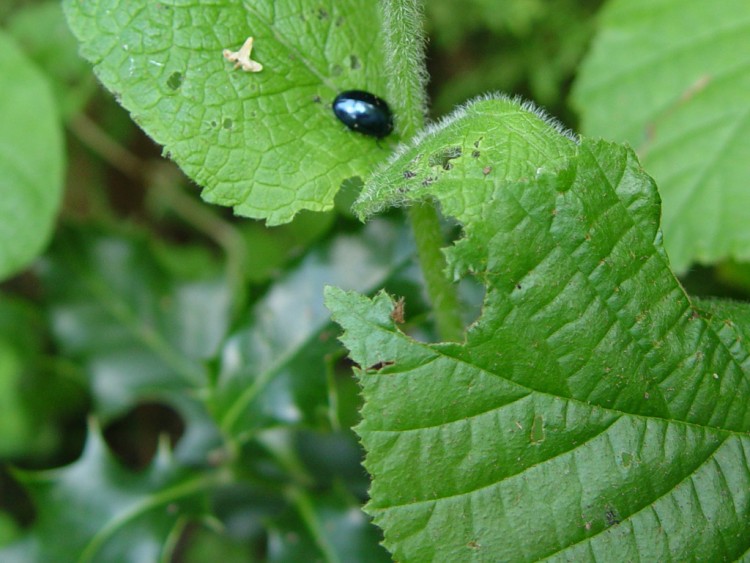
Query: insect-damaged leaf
(593, 412)
(265, 143)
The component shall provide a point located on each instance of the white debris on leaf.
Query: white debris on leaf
(241, 58)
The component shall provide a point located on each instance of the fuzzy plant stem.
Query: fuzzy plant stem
(407, 80)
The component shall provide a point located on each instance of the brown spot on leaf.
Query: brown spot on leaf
(380, 365)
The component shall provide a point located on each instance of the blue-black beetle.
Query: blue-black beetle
(364, 112)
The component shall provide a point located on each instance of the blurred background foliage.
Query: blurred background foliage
(146, 293)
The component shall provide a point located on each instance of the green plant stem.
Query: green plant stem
(441, 291)
(404, 52)
(306, 509)
(162, 498)
(407, 78)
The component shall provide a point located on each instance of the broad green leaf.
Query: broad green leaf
(671, 78)
(592, 413)
(265, 143)
(95, 510)
(275, 367)
(31, 160)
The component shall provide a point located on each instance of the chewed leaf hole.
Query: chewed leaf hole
(443, 157)
(175, 80)
(537, 434)
(380, 365)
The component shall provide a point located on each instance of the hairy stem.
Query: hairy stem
(407, 79)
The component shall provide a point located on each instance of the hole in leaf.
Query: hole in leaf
(354, 62)
(537, 430)
(627, 459)
(175, 80)
(348, 193)
(443, 157)
(380, 365)
(471, 293)
(227, 123)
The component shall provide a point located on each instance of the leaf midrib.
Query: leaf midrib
(529, 391)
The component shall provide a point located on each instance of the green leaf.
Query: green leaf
(41, 31)
(493, 138)
(95, 510)
(142, 321)
(20, 342)
(592, 413)
(16, 420)
(33, 397)
(671, 78)
(265, 143)
(31, 160)
(275, 367)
